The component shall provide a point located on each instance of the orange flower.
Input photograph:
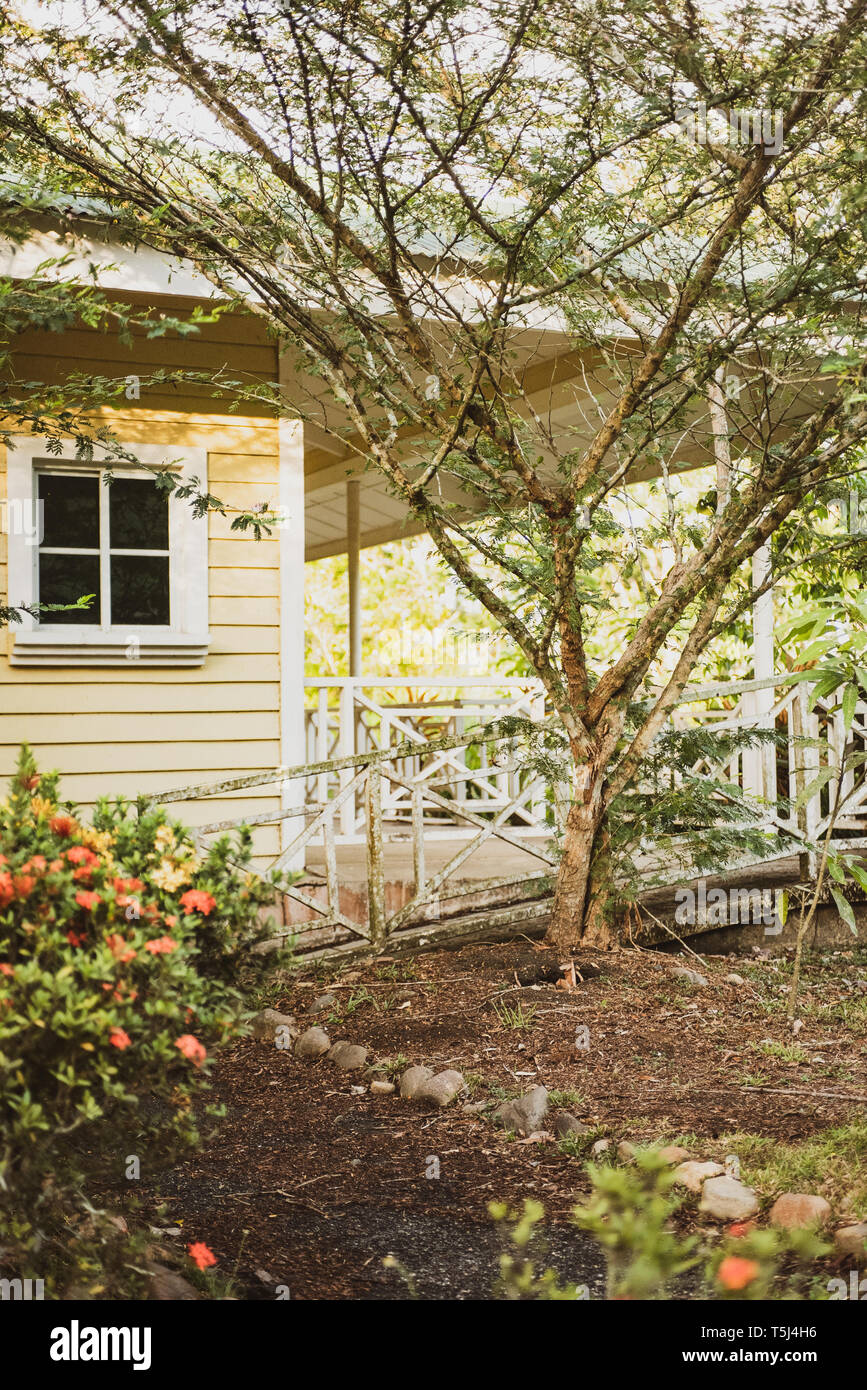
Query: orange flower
(80, 854)
(195, 900)
(119, 946)
(87, 900)
(170, 921)
(736, 1273)
(118, 1038)
(24, 885)
(191, 1048)
(162, 946)
(62, 825)
(84, 874)
(7, 889)
(128, 885)
(6, 969)
(75, 938)
(201, 1255)
(741, 1228)
(55, 866)
(37, 863)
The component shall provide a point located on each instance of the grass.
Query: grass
(831, 1163)
(580, 1145)
(786, 1052)
(391, 1067)
(514, 1015)
(567, 1100)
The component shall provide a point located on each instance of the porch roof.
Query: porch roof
(565, 384)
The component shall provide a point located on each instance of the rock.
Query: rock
(526, 1114)
(691, 1175)
(264, 1277)
(382, 1088)
(166, 1285)
(600, 1147)
(692, 977)
(412, 1079)
(625, 1151)
(796, 1209)
(322, 1004)
(566, 1124)
(851, 1240)
(348, 1056)
(441, 1089)
(728, 1200)
(312, 1043)
(734, 979)
(673, 1154)
(475, 1107)
(265, 1025)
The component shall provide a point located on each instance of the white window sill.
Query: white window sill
(65, 647)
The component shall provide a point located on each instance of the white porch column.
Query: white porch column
(353, 568)
(290, 539)
(760, 767)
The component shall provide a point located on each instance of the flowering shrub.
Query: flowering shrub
(117, 944)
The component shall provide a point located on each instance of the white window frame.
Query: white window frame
(184, 642)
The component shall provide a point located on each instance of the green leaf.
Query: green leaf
(850, 698)
(845, 910)
(815, 786)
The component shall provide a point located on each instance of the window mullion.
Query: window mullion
(104, 554)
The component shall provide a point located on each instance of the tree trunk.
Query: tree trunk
(582, 897)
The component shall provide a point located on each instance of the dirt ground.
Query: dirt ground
(309, 1186)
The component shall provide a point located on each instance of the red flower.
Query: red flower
(7, 889)
(87, 900)
(741, 1228)
(128, 885)
(80, 854)
(75, 938)
(55, 866)
(171, 921)
(195, 900)
(162, 946)
(38, 863)
(24, 885)
(119, 947)
(62, 825)
(84, 874)
(6, 969)
(201, 1255)
(736, 1273)
(118, 1038)
(191, 1048)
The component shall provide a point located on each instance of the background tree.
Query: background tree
(412, 196)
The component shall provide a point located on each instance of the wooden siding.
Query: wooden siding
(128, 731)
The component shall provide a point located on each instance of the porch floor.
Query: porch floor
(493, 859)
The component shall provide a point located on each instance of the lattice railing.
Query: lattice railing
(447, 769)
(348, 715)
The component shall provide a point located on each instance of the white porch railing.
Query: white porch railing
(403, 759)
(348, 715)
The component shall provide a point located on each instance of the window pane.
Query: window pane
(139, 515)
(140, 590)
(70, 510)
(65, 578)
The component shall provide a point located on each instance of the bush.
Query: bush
(118, 948)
